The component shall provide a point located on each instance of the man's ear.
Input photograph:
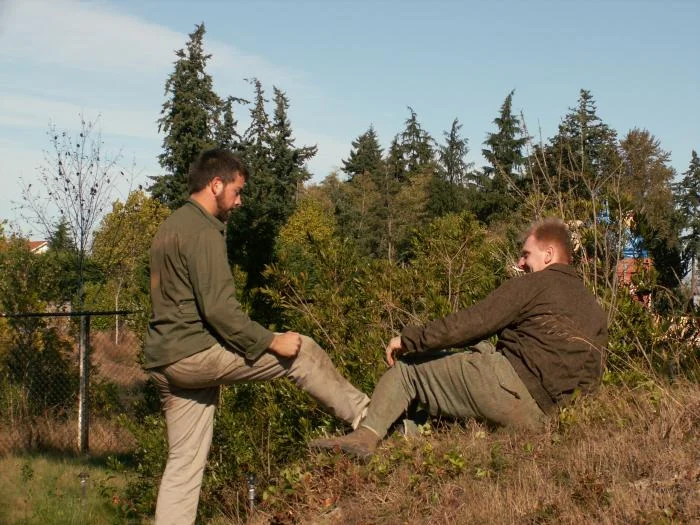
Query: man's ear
(550, 254)
(217, 186)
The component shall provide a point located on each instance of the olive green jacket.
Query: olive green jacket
(549, 326)
(193, 298)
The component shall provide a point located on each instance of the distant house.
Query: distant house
(629, 266)
(626, 269)
(635, 259)
(38, 246)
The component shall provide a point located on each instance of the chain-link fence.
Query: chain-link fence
(65, 387)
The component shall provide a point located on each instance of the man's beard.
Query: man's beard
(222, 213)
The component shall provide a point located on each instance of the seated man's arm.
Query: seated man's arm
(480, 321)
(394, 349)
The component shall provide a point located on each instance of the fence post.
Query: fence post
(83, 396)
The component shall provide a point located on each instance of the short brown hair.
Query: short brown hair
(213, 163)
(555, 231)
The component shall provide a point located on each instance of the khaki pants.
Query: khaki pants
(189, 390)
(479, 384)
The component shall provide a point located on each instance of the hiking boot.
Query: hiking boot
(361, 443)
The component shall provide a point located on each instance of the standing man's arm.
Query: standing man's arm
(287, 344)
(215, 295)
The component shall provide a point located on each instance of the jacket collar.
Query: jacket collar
(208, 216)
(563, 268)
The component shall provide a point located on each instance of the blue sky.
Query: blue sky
(345, 65)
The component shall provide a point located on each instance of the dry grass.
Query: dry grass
(58, 432)
(625, 456)
(118, 363)
(61, 436)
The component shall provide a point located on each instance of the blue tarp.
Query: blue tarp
(635, 249)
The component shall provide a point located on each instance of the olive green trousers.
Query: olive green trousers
(479, 384)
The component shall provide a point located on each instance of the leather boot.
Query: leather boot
(361, 443)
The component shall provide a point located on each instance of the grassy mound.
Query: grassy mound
(623, 456)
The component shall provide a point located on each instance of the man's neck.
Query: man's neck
(202, 199)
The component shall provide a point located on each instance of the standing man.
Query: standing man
(551, 339)
(199, 337)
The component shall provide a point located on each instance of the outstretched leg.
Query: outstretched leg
(311, 370)
(480, 384)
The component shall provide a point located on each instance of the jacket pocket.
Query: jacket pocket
(507, 377)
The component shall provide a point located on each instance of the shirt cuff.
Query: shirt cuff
(262, 344)
(410, 338)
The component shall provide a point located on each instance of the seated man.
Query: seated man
(199, 337)
(551, 339)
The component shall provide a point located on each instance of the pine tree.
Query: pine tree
(448, 186)
(644, 189)
(584, 152)
(687, 196)
(503, 179)
(250, 227)
(395, 165)
(289, 162)
(646, 180)
(365, 156)
(189, 120)
(452, 155)
(61, 262)
(60, 239)
(417, 146)
(359, 209)
(227, 135)
(505, 147)
(362, 202)
(257, 138)
(277, 168)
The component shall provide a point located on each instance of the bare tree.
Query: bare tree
(76, 184)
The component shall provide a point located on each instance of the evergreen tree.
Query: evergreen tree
(61, 263)
(289, 162)
(359, 209)
(583, 155)
(227, 135)
(410, 166)
(251, 229)
(365, 156)
(395, 165)
(503, 178)
(504, 149)
(452, 155)
(277, 168)
(417, 146)
(257, 138)
(644, 189)
(448, 185)
(60, 239)
(189, 120)
(646, 180)
(687, 196)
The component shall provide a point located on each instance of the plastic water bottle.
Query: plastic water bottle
(251, 491)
